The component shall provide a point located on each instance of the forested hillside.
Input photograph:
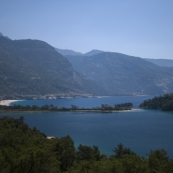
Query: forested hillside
(23, 149)
(164, 103)
(121, 74)
(29, 68)
(32, 69)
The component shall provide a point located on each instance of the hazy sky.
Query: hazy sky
(141, 28)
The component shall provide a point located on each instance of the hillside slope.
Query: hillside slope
(122, 74)
(32, 67)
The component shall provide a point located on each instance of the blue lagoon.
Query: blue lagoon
(140, 130)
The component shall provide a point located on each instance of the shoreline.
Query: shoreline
(7, 102)
(100, 111)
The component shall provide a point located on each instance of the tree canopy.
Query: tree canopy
(164, 103)
(26, 150)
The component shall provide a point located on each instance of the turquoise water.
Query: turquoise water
(140, 130)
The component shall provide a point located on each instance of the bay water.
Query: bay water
(140, 130)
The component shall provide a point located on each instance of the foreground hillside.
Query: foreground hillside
(122, 74)
(32, 68)
(23, 149)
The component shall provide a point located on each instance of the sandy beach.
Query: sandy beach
(7, 102)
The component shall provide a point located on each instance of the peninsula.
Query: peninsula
(104, 108)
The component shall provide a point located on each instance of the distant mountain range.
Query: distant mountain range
(161, 62)
(93, 52)
(32, 68)
(121, 74)
(65, 52)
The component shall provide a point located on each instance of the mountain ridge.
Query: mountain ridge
(161, 62)
(66, 52)
(33, 67)
(93, 52)
(121, 74)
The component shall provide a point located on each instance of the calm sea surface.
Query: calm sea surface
(140, 130)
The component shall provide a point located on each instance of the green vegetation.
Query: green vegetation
(30, 68)
(26, 150)
(121, 74)
(164, 103)
(103, 108)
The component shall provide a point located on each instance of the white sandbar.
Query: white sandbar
(7, 102)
